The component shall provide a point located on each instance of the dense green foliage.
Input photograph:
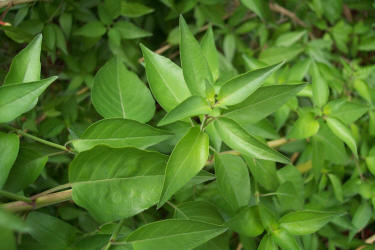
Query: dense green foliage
(187, 124)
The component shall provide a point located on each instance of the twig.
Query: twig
(114, 235)
(14, 2)
(277, 8)
(14, 196)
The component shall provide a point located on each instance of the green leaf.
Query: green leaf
(274, 55)
(233, 180)
(119, 93)
(7, 239)
(288, 196)
(305, 222)
(284, 240)
(132, 9)
(194, 65)
(119, 133)
(92, 29)
(348, 112)
(337, 188)
(199, 211)
(306, 126)
(9, 146)
(130, 31)
(342, 132)
(116, 183)
(259, 7)
(238, 139)
(25, 65)
(246, 222)
(27, 168)
(49, 36)
(267, 243)
(264, 172)
(50, 231)
(165, 79)
(173, 234)
(289, 38)
(317, 159)
(262, 103)
(319, 86)
(192, 106)
(210, 52)
(229, 46)
(362, 215)
(11, 221)
(240, 87)
(16, 99)
(186, 160)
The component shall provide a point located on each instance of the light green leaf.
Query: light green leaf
(229, 46)
(200, 211)
(119, 133)
(258, 6)
(116, 183)
(233, 180)
(348, 112)
(130, 31)
(362, 215)
(262, 103)
(240, 87)
(246, 222)
(193, 62)
(25, 65)
(173, 234)
(274, 55)
(305, 222)
(306, 126)
(367, 44)
(165, 79)
(210, 52)
(92, 29)
(16, 99)
(238, 139)
(11, 221)
(186, 160)
(284, 240)
(9, 146)
(288, 39)
(192, 106)
(342, 132)
(319, 86)
(267, 243)
(289, 197)
(132, 9)
(119, 93)
(264, 172)
(337, 188)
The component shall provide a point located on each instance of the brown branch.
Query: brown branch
(14, 2)
(277, 8)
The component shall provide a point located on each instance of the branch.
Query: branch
(277, 8)
(11, 3)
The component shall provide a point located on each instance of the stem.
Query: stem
(14, 196)
(52, 190)
(48, 143)
(42, 201)
(114, 235)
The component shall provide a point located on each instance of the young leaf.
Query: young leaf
(119, 133)
(9, 145)
(240, 87)
(192, 106)
(319, 86)
(186, 160)
(115, 183)
(25, 65)
(246, 222)
(342, 132)
(173, 234)
(238, 139)
(306, 126)
(305, 222)
(210, 52)
(233, 180)
(119, 93)
(165, 79)
(347, 112)
(262, 103)
(193, 61)
(16, 99)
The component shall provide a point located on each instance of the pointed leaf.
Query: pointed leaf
(306, 126)
(264, 172)
(210, 52)
(25, 65)
(186, 160)
(166, 80)
(319, 86)
(9, 146)
(238, 139)
(119, 93)
(173, 234)
(342, 132)
(119, 133)
(91, 29)
(285, 240)
(16, 99)
(200, 211)
(193, 61)
(246, 222)
(267, 243)
(116, 183)
(240, 87)
(192, 106)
